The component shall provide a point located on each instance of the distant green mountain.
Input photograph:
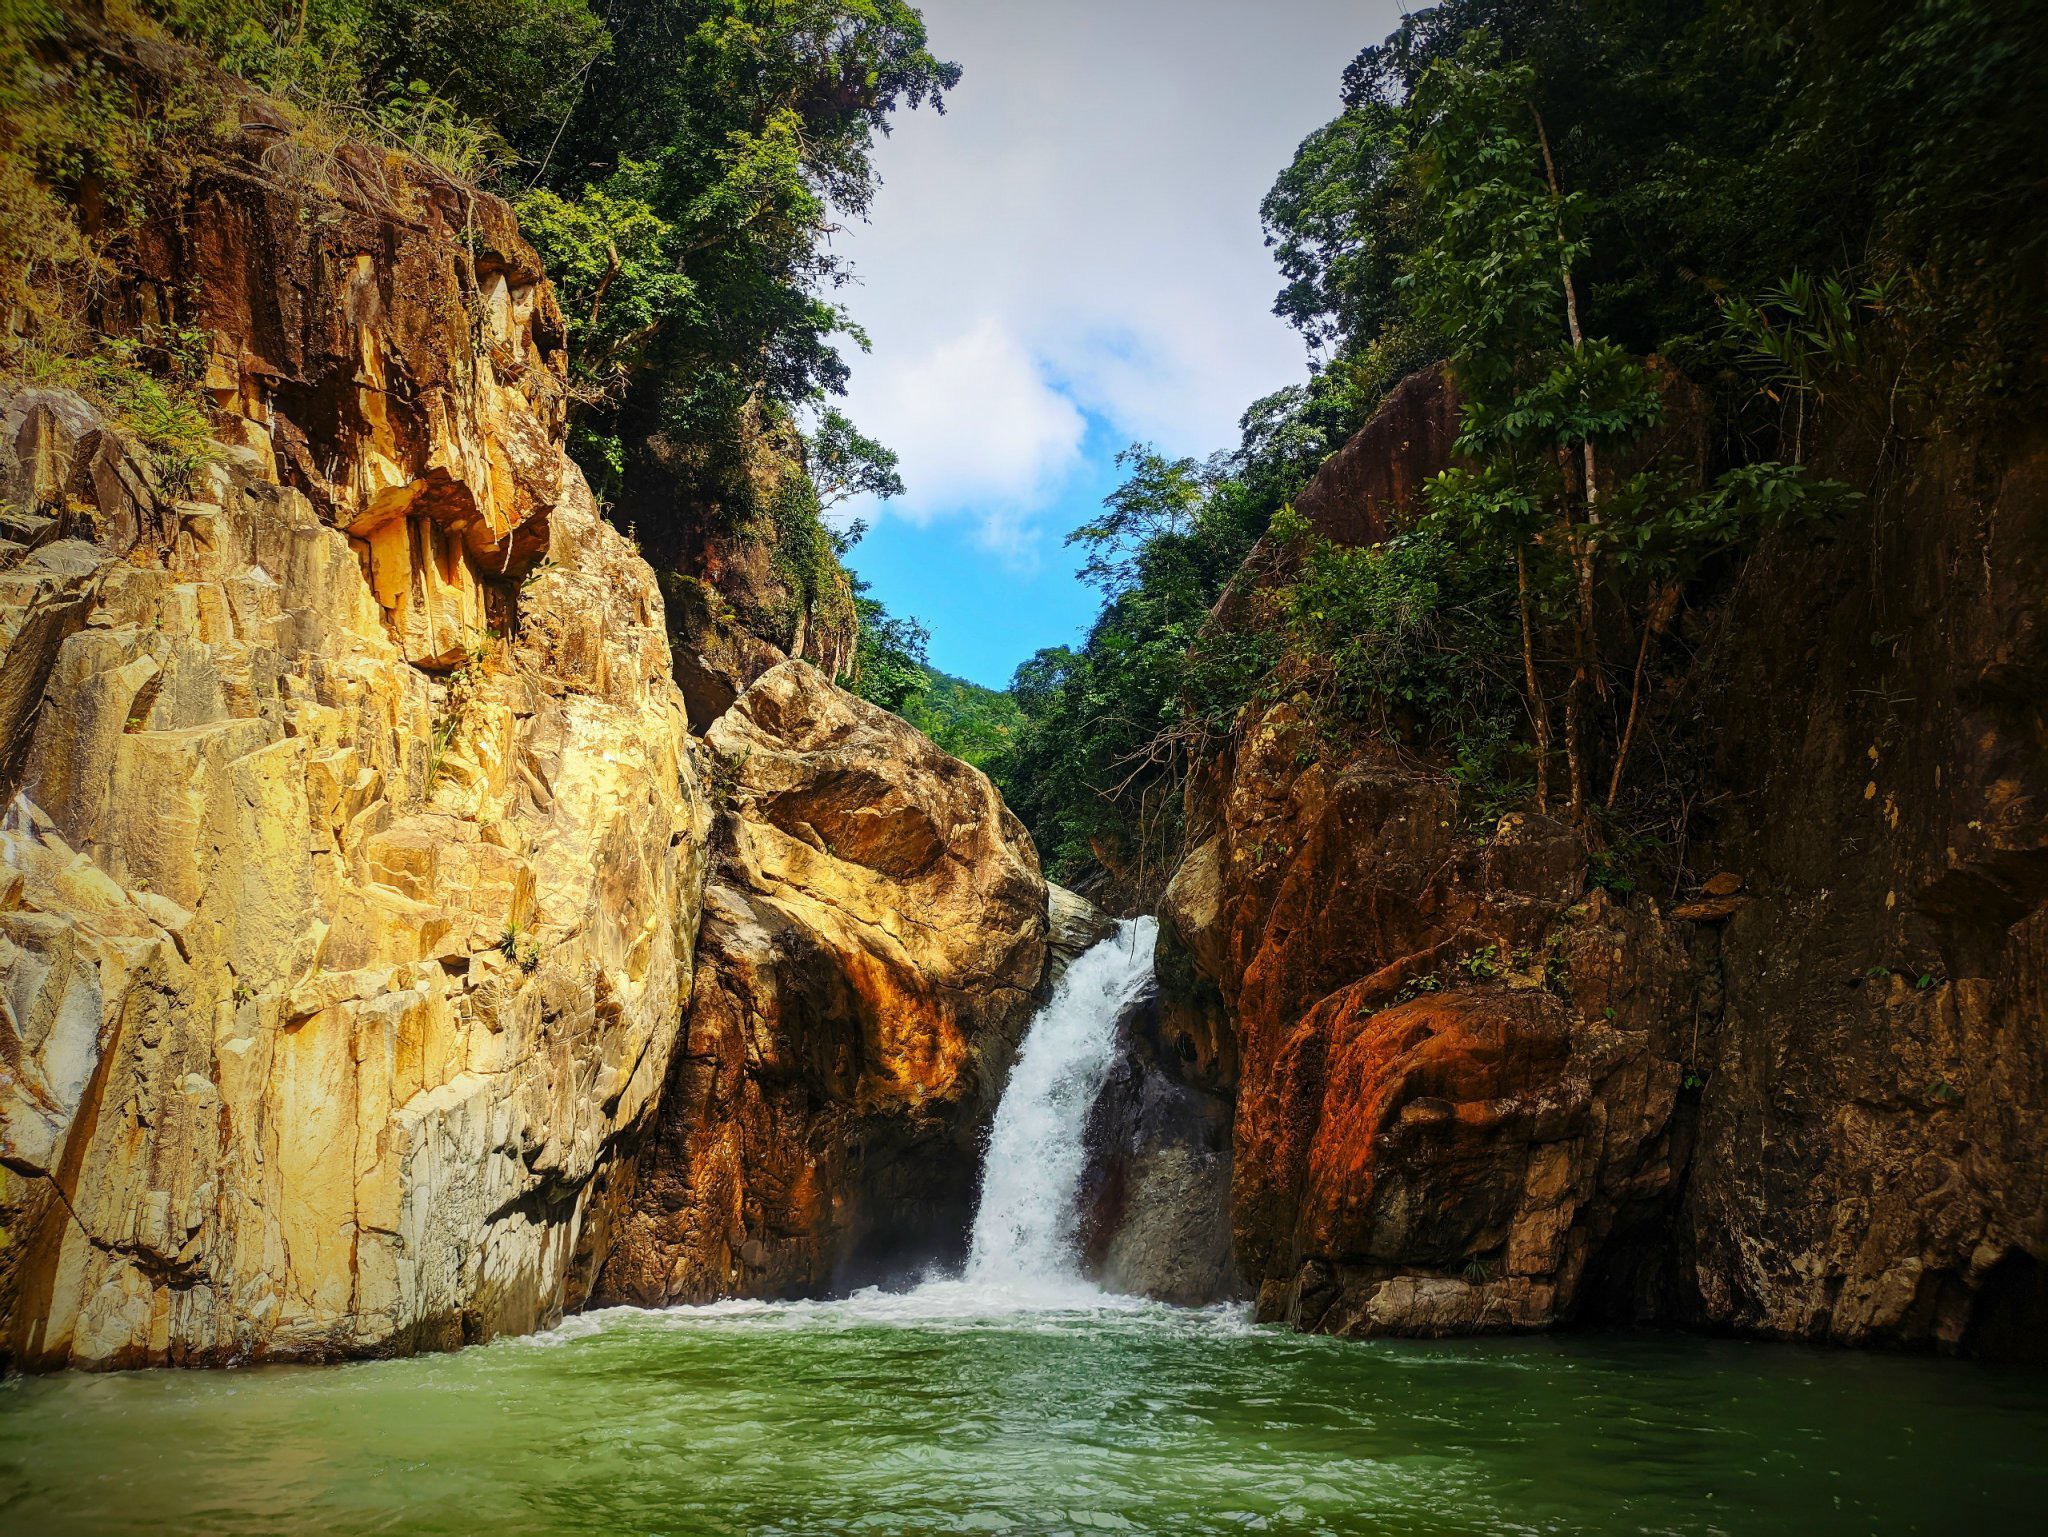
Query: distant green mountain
(969, 721)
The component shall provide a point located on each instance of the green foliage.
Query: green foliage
(803, 551)
(523, 953)
(1610, 873)
(1402, 635)
(1717, 147)
(889, 667)
(749, 129)
(148, 385)
(607, 253)
(164, 410)
(845, 462)
(1339, 220)
(1110, 728)
(73, 144)
(978, 725)
(451, 84)
(1799, 338)
(1158, 500)
(1542, 402)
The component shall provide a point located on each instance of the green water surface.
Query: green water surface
(913, 1415)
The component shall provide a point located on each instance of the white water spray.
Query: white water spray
(1024, 1228)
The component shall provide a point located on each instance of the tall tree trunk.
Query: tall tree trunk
(1663, 605)
(1571, 302)
(1583, 544)
(1539, 707)
(1574, 741)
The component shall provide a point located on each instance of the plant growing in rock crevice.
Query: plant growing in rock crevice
(457, 694)
(523, 953)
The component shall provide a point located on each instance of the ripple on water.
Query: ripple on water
(941, 1411)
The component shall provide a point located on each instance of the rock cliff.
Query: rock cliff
(1474, 1091)
(348, 897)
(1155, 1187)
(1454, 1072)
(873, 945)
(1873, 1160)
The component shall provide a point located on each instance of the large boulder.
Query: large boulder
(873, 945)
(1455, 1074)
(1155, 1187)
(1075, 926)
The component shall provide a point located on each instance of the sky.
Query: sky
(1067, 261)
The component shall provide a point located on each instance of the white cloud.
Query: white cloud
(978, 423)
(1079, 233)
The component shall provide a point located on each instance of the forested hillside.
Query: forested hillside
(969, 721)
(678, 164)
(1664, 245)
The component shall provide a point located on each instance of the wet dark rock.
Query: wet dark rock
(1155, 1196)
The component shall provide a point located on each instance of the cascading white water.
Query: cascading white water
(1024, 1229)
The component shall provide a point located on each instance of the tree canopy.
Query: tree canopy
(1588, 209)
(680, 165)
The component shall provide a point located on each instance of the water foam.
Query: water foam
(1023, 1240)
(1023, 1267)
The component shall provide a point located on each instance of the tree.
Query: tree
(1496, 279)
(1542, 401)
(890, 667)
(845, 462)
(753, 126)
(1159, 497)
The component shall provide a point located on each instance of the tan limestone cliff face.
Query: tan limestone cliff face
(348, 899)
(873, 942)
(328, 985)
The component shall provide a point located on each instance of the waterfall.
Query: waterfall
(1024, 1228)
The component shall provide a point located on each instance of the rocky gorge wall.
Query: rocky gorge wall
(419, 918)
(1873, 1159)
(362, 792)
(1801, 1096)
(352, 879)
(874, 941)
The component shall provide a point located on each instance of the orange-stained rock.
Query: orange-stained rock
(1454, 1072)
(873, 944)
(1484, 1139)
